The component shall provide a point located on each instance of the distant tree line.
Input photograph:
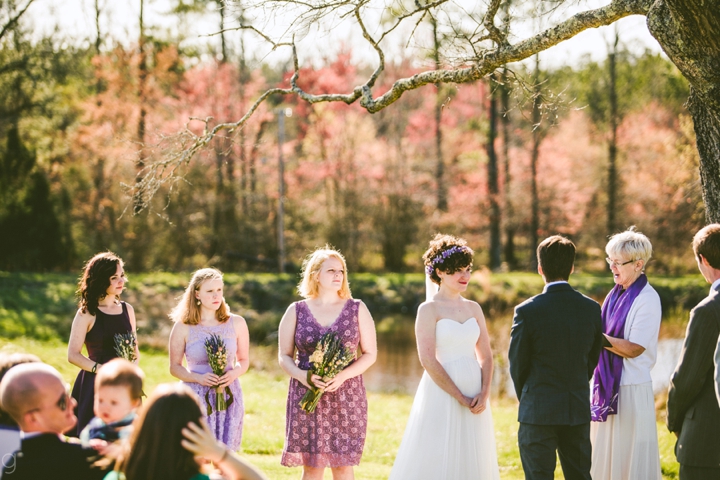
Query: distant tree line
(585, 151)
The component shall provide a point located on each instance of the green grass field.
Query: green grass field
(265, 390)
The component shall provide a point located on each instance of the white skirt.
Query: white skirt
(626, 445)
(444, 440)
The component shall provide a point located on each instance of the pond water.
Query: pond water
(398, 369)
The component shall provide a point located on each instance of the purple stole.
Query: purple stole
(606, 380)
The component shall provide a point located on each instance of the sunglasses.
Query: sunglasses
(62, 403)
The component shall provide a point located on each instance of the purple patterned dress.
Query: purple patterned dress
(334, 435)
(227, 424)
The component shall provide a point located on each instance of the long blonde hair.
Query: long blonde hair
(309, 286)
(187, 310)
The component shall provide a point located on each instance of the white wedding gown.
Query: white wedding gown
(444, 440)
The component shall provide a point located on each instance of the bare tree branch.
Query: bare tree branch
(13, 20)
(497, 35)
(486, 61)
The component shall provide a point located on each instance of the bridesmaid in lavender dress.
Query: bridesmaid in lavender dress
(201, 312)
(334, 434)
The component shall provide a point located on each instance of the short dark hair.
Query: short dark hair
(556, 256)
(119, 372)
(706, 242)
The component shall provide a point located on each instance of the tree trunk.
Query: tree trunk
(223, 44)
(689, 33)
(612, 144)
(215, 242)
(440, 169)
(140, 226)
(509, 250)
(492, 169)
(537, 138)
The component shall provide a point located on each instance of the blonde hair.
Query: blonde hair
(187, 311)
(632, 243)
(309, 286)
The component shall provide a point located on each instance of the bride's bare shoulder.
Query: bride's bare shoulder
(475, 308)
(427, 308)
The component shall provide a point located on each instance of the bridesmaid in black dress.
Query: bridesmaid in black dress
(100, 316)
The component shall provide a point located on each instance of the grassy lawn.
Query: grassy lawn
(265, 391)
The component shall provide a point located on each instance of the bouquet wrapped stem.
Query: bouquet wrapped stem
(217, 359)
(329, 358)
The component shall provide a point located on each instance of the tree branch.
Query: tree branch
(502, 55)
(486, 61)
(10, 23)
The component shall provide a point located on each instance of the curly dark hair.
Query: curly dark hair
(95, 280)
(454, 262)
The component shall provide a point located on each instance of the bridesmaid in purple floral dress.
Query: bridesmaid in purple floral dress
(201, 312)
(334, 434)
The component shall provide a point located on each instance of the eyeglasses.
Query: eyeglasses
(62, 403)
(615, 264)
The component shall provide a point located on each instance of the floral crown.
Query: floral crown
(442, 256)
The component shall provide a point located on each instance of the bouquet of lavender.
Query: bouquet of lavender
(217, 359)
(329, 358)
(125, 345)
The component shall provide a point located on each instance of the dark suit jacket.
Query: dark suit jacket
(554, 347)
(46, 456)
(693, 410)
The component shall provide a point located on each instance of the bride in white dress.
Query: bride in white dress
(450, 434)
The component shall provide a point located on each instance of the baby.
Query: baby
(118, 392)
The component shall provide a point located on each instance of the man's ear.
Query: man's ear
(703, 260)
(30, 421)
(572, 270)
(540, 272)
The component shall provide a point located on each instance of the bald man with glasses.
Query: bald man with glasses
(38, 399)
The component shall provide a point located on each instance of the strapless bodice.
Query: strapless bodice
(454, 340)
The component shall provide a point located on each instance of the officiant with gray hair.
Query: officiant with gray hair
(623, 430)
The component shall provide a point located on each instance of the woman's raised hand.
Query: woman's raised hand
(201, 441)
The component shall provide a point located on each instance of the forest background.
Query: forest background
(584, 150)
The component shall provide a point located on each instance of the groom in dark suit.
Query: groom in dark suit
(693, 412)
(554, 347)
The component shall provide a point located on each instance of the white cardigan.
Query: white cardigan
(642, 327)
